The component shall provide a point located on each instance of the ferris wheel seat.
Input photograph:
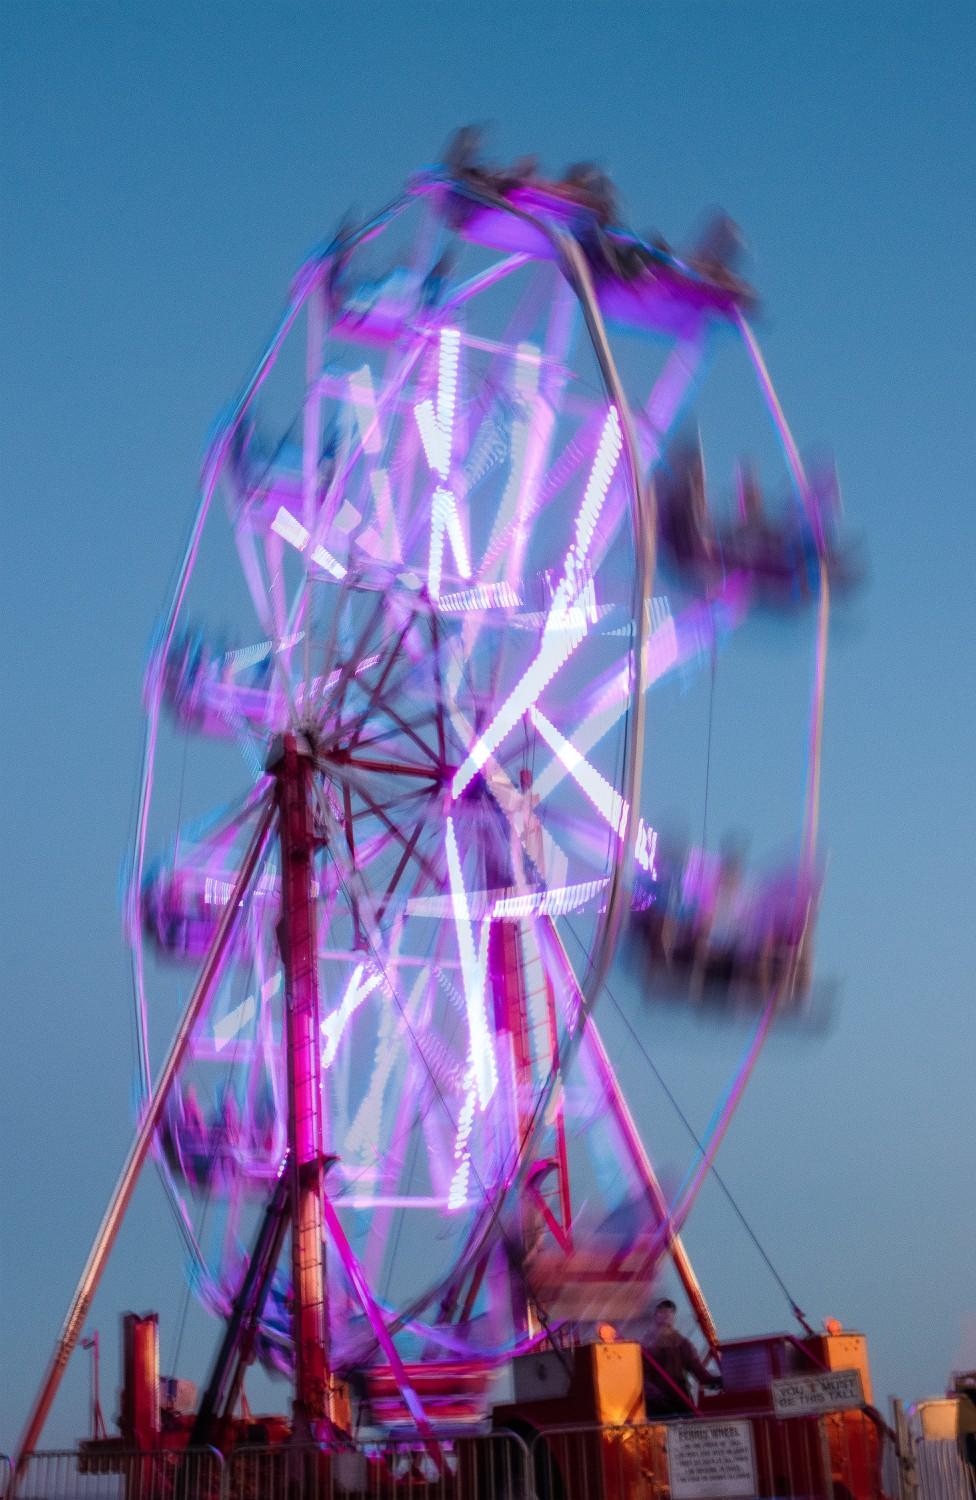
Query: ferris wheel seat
(176, 917)
(499, 229)
(784, 576)
(181, 907)
(688, 941)
(217, 1151)
(596, 1280)
(666, 298)
(450, 1390)
(782, 565)
(377, 311)
(206, 689)
(776, 558)
(636, 287)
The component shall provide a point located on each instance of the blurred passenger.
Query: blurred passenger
(434, 282)
(591, 187)
(684, 522)
(758, 542)
(721, 924)
(718, 252)
(463, 155)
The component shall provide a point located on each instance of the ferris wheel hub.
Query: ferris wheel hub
(303, 743)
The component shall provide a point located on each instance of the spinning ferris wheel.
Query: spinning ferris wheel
(395, 724)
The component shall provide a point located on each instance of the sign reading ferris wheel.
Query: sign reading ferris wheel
(711, 1460)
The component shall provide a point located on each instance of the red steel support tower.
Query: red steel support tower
(297, 938)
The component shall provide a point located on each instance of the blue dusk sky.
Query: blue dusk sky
(164, 170)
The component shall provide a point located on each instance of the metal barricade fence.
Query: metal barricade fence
(6, 1474)
(832, 1457)
(943, 1473)
(598, 1462)
(169, 1474)
(471, 1466)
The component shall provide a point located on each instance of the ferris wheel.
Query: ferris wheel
(395, 728)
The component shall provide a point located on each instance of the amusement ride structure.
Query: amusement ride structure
(428, 533)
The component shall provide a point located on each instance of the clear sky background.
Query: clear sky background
(164, 170)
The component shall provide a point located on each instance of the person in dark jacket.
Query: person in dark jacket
(669, 1359)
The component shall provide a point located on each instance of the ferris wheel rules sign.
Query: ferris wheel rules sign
(809, 1395)
(711, 1461)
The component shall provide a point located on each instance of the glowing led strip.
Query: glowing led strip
(514, 903)
(502, 788)
(482, 596)
(566, 624)
(436, 428)
(458, 1191)
(218, 892)
(444, 517)
(292, 531)
(553, 903)
(248, 656)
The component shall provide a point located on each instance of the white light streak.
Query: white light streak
(662, 652)
(596, 490)
(436, 427)
(567, 622)
(235, 1020)
(292, 531)
(482, 596)
(473, 972)
(228, 1027)
(557, 647)
(458, 1190)
(645, 848)
(325, 560)
(289, 527)
(358, 989)
(444, 517)
(548, 903)
(607, 801)
(218, 892)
